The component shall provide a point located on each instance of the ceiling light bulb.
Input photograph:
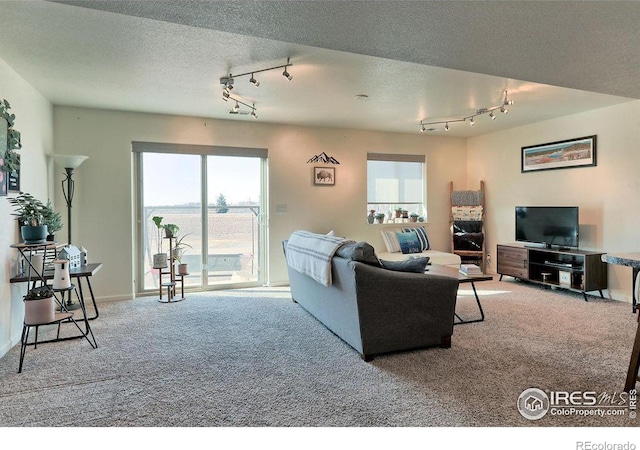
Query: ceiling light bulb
(422, 128)
(253, 81)
(504, 110)
(253, 113)
(225, 95)
(472, 122)
(446, 126)
(492, 115)
(287, 75)
(236, 107)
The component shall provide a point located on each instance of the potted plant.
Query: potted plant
(29, 213)
(413, 217)
(380, 217)
(405, 214)
(39, 306)
(171, 230)
(398, 213)
(160, 258)
(178, 252)
(52, 219)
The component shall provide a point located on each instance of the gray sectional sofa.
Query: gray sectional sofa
(376, 310)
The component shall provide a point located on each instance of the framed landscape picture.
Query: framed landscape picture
(579, 152)
(325, 176)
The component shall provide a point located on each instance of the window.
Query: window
(396, 182)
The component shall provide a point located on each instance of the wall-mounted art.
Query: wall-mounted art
(324, 176)
(13, 179)
(579, 152)
(3, 181)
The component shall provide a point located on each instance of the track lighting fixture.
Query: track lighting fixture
(236, 108)
(503, 108)
(286, 74)
(227, 82)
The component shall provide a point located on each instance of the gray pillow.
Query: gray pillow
(417, 265)
(359, 251)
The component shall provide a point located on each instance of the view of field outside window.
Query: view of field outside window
(393, 185)
(224, 249)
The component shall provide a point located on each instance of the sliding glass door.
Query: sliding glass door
(217, 203)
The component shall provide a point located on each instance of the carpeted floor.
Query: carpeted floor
(253, 358)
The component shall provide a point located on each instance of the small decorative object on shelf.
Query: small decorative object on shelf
(413, 217)
(179, 249)
(29, 212)
(398, 213)
(61, 278)
(171, 230)
(372, 214)
(160, 258)
(39, 306)
(71, 253)
(380, 217)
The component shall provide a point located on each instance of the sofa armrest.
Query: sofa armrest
(414, 308)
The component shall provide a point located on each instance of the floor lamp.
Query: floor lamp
(69, 163)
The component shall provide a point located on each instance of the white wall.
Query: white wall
(608, 194)
(34, 120)
(103, 215)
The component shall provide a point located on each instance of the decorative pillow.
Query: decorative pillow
(421, 232)
(409, 242)
(359, 251)
(417, 265)
(391, 241)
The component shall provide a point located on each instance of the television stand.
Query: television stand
(570, 269)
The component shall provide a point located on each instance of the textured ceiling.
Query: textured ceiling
(427, 60)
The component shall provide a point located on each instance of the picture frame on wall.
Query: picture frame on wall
(324, 176)
(578, 152)
(4, 182)
(13, 180)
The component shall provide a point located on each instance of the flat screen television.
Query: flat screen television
(554, 226)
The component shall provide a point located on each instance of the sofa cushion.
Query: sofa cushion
(442, 258)
(409, 242)
(421, 232)
(391, 241)
(359, 251)
(417, 265)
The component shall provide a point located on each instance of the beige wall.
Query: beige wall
(608, 194)
(34, 119)
(103, 215)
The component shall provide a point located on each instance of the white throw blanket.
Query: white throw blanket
(311, 254)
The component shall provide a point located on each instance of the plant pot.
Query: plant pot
(413, 219)
(39, 311)
(182, 269)
(380, 220)
(51, 238)
(160, 261)
(33, 234)
(398, 214)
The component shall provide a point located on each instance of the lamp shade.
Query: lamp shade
(69, 161)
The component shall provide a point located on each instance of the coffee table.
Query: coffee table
(447, 271)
